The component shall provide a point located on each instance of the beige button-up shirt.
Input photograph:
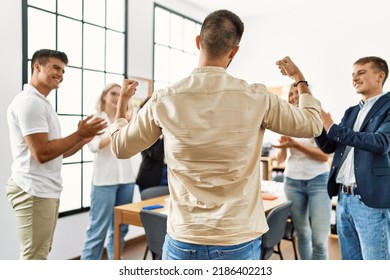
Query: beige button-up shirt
(213, 126)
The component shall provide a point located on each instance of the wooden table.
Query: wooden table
(129, 214)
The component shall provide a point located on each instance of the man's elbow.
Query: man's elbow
(118, 155)
(117, 150)
(317, 125)
(317, 130)
(40, 158)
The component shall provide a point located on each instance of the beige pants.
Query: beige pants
(36, 219)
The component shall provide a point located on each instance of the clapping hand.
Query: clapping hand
(89, 127)
(285, 142)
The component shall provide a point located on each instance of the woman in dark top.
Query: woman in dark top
(153, 170)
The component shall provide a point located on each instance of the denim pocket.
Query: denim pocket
(174, 251)
(245, 251)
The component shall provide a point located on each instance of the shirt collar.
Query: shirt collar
(209, 69)
(33, 90)
(370, 101)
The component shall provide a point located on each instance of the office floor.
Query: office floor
(136, 250)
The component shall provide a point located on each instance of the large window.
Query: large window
(93, 34)
(175, 52)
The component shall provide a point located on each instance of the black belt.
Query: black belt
(349, 189)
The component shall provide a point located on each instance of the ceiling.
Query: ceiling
(248, 8)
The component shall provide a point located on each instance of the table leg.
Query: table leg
(117, 234)
(266, 169)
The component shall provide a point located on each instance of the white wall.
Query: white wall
(11, 83)
(324, 42)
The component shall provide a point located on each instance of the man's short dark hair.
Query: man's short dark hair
(42, 56)
(378, 64)
(221, 31)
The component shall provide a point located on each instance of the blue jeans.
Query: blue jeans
(310, 214)
(176, 250)
(364, 232)
(101, 214)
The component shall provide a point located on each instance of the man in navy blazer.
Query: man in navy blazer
(360, 172)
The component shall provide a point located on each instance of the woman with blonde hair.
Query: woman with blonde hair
(112, 182)
(305, 184)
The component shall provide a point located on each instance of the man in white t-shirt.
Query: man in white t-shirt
(34, 187)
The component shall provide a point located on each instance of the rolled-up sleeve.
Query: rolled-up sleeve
(128, 139)
(285, 118)
(93, 146)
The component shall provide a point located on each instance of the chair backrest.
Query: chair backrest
(152, 192)
(155, 225)
(278, 178)
(276, 219)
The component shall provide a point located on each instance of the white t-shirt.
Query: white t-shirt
(107, 169)
(301, 167)
(30, 112)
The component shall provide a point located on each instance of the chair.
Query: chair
(155, 225)
(152, 192)
(276, 219)
(278, 177)
(289, 233)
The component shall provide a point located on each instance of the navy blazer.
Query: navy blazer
(372, 152)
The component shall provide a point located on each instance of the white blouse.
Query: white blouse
(107, 169)
(301, 167)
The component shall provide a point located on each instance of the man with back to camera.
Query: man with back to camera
(34, 187)
(360, 172)
(213, 126)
